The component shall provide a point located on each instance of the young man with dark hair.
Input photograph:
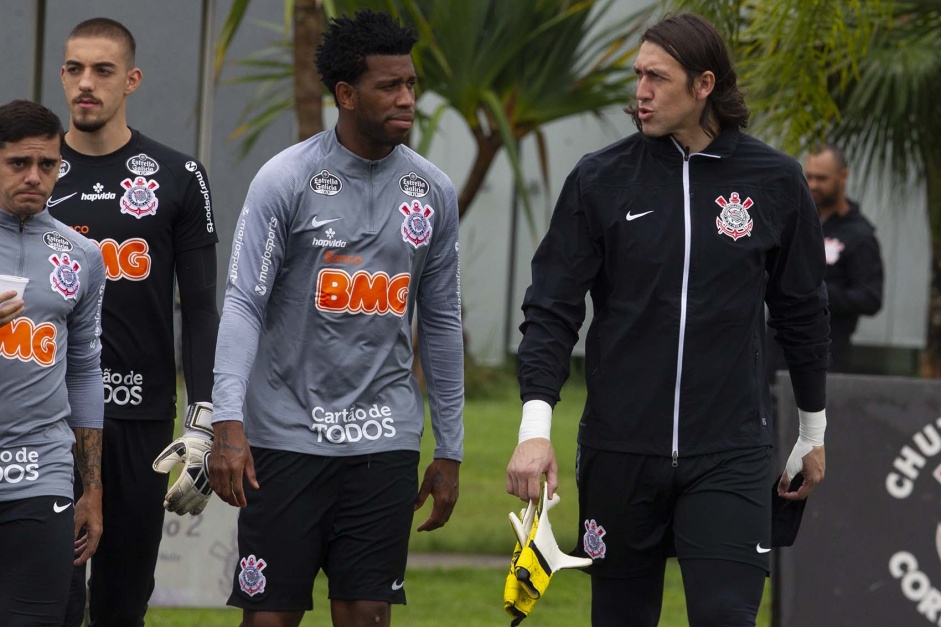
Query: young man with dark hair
(343, 238)
(149, 209)
(50, 378)
(681, 233)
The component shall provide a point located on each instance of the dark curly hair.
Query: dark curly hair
(20, 119)
(694, 42)
(348, 41)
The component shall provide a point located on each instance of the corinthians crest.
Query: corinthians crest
(64, 277)
(139, 200)
(416, 229)
(593, 544)
(734, 220)
(251, 580)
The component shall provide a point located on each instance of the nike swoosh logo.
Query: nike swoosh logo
(58, 509)
(53, 203)
(396, 585)
(319, 223)
(637, 215)
(760, 548)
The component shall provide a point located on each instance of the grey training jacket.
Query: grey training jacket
(50, 373)
(331, 256)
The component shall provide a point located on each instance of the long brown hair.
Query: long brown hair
(695, 43)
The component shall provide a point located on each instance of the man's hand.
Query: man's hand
(441, 482)
(229, 459)
(88, 518)
(530, 461)
(813, 465)
(10, 307)
(191, 492)
(87, 455)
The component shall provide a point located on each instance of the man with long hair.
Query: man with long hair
(681, 233)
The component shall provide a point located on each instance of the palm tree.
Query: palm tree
(284, 71)
(506, 67)
(510, 68)
(866, 73)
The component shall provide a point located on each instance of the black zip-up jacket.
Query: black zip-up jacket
(680, 254)
(854, 277)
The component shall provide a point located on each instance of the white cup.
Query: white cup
(13, 283)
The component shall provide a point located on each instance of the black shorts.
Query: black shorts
(350, 516)
(637, 510)
(37, 545)
(122, 570)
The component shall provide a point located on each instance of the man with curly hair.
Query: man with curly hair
(318, 417)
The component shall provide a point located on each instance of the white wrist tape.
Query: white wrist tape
(813, 424)
(537, 420)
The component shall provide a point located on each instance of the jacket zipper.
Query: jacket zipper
(683, 296)
(370, 209)
(687, 241)
(21, 260)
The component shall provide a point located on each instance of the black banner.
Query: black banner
(869, 548)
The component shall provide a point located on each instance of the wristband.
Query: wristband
(199, 419)
(536, 422)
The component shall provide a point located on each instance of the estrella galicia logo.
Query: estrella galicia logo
(326, 183)
(414, 185)
(64, 168)
(142, 165)
(56, 241)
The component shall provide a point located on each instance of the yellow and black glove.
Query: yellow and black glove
(541, 555)
(536, 558)
(516, 602)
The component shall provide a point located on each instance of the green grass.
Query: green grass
(465, 597)
(473, 597)
(479, 522)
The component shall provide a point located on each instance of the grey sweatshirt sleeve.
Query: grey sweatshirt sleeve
(258, 247)
(441, 344)
(83, 373)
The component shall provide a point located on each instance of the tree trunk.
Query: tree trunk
(931, 359)
(487, 148)
(308, 90)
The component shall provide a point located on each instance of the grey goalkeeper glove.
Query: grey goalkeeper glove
(191, 492)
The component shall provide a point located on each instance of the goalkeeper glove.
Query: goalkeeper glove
(541, 555)
(516, 602)
(191, 492)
